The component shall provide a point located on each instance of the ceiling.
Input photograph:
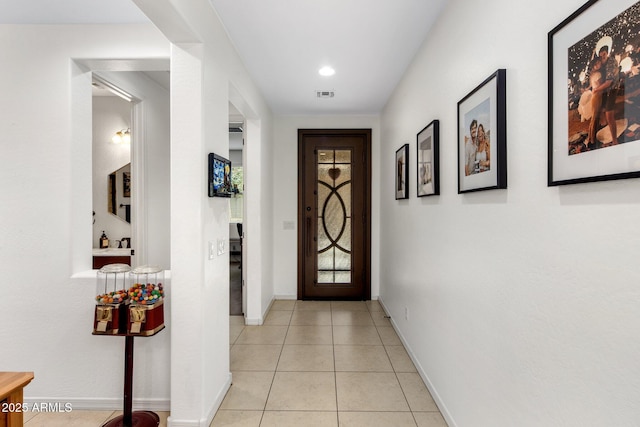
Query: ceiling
(70, 12)
(369, 43)
(283, 43)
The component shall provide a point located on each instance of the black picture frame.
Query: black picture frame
(126, 184)
(593, 96)
(219, 176)
(483, 165)
(427, 160)
(402, 172)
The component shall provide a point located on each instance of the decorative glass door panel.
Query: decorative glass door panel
(334, 216)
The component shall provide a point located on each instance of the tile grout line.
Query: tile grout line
(332, 325)
(335, 373)
(397, 379)
(275, 369)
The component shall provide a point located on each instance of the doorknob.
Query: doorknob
(308, 208)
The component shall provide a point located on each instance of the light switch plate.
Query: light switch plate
(221, 247)
(212, 250)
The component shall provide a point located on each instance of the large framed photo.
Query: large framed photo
(402, 172)
(594, 94)
(428, 165)
(482, 136)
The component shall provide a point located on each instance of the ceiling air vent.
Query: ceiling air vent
(325, 93)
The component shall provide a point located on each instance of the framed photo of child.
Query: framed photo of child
(594, 94)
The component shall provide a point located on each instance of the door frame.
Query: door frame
(366, 133)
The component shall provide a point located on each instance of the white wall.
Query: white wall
(235, 156)
(522, 303)
(205, 73)
(285, 169)
(46, 219)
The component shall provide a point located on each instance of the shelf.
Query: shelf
(128, 335)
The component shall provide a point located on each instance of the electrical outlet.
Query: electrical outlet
(221, 247)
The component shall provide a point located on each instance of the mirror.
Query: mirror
(119, 193)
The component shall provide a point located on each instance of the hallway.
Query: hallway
(322, 363)
(312, 364)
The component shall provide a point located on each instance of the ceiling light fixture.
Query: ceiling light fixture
(122, 137)
(326, 71)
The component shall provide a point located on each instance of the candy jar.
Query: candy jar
(111, 299)
(146, 294)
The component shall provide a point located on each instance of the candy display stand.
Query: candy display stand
(127, 299)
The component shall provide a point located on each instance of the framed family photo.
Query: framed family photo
(482, 136)
(594, 94)
(402, 172)
(427, 158)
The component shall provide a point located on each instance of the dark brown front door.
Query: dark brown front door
(334, 210)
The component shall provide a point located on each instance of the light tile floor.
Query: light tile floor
(312, 363)
(325, 364)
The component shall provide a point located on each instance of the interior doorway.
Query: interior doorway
(334, 211)
(236, 213)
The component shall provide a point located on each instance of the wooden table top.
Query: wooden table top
(9, 381)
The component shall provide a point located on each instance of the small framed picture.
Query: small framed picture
(482, 136)
(427, 158)
(594, 94)
(126, 184)
(402, 172)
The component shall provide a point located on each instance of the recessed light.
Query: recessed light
(326, 71)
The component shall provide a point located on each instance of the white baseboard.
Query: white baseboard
(253, 322)
(204, 422)
(436, 397)
(98, 404)
(216, 403)
(259, 321)
(182, 423)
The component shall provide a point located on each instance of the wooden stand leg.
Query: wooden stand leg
(129, 418)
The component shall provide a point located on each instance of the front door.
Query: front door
(334, 210)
